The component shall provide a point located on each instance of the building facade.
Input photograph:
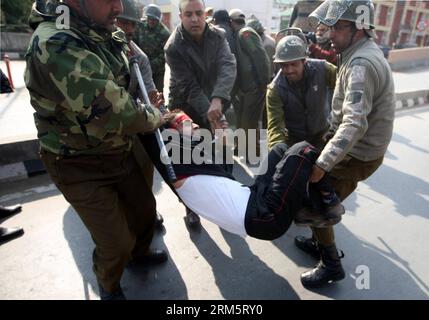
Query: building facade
(402, 23)
(398, 23)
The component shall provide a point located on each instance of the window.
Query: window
(382, 15)
(389, 16)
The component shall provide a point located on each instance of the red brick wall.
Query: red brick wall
(397, 20)
(383, 16)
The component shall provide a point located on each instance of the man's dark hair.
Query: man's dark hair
(221, 16)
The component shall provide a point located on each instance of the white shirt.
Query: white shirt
(220, 200)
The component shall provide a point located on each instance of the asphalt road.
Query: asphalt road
(384, 236)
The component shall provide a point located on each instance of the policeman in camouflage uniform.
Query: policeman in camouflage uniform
(151, 36)
(85, 118)
(253, 76)
(267, 41)
(363, 111)
(128, 21)
(270, 48)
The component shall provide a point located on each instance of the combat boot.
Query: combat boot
(117, 295)
(328, 270)
(308, 245)
(192, 220)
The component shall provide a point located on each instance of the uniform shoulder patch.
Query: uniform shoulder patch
(247, 34)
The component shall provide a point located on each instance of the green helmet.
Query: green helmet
(256, 25)
(359, 11)
(290, 48)
(130, 11)
(153, 11)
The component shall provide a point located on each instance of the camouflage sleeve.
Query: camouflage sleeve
(227, 71)
(252, 45)
(350, 123)
(275, 118)
(81, 82)
(158, 62)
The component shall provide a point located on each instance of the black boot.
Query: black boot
(117, 295)
(308, 245)
(328, 270)
(8, 211)
(192, 219)
(7, 234)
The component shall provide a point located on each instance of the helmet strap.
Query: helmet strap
(355, 30)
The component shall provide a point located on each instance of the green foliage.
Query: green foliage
(16, 12)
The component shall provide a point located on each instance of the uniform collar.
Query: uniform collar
(346, 54)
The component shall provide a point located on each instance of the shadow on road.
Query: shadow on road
(151, 283)
(243, 275)
(401, 139)
(390, 277)
(408, 193)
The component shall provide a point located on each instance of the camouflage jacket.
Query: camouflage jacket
(363, 106)
(152, 42)
(253, 65)
(78, 80)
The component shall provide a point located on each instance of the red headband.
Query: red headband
(179, 120)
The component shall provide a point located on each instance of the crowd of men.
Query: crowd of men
(91, 120)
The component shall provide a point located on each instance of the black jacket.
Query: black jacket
(199, 73)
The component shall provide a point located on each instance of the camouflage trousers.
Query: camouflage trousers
(344, 178)
(111, 196)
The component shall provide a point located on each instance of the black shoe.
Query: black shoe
(159, 220)
(309, 217)
(308, 245)
(117, 295)
(152, 257)
(192, 219)
(7, 234)
(327, 271)
(8, 211)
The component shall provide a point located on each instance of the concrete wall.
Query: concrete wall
(404, 59)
